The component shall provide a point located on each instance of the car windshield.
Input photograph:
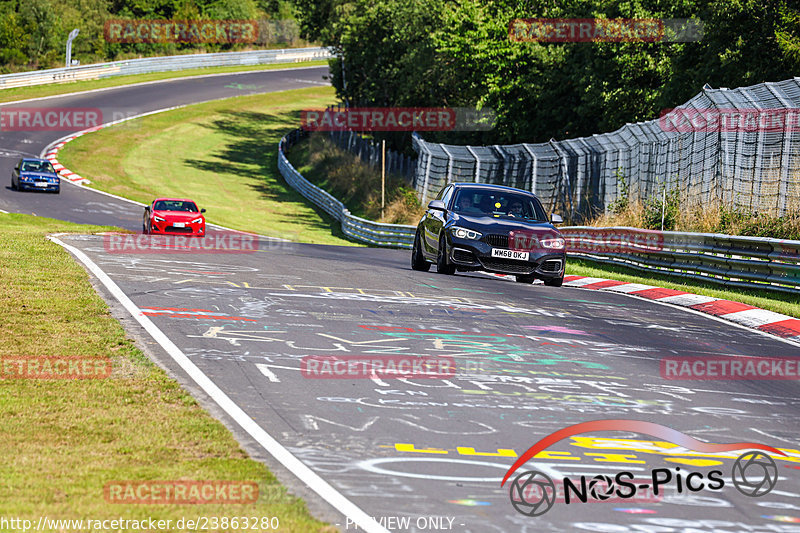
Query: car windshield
(498, 204)
(175, 205)
(37, 166)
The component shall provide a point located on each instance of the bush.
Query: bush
(622, 202)
(660, 206)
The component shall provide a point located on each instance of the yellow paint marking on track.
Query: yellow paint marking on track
(615, 458)
(501, 452)
(410, 448)
(677, 454)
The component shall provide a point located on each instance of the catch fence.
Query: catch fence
(749, 159)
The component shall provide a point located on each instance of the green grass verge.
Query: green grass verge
(63, 440)
(221, 154)
(786, 304)
(39, 91)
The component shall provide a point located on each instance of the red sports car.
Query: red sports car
(173, 216)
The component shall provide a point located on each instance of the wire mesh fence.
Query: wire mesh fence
(738, 148)
(369, 152)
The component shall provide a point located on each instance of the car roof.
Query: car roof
(174, 200)
(35, 159)
(490, 186)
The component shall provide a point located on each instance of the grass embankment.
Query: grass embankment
(355, 183)
(63, 440)
(221, 154)
(40, 91)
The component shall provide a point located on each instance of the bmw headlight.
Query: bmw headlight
(158, 219)
(196, 221)
(464, 233)
(556, 244)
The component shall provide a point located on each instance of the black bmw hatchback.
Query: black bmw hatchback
(471, 226)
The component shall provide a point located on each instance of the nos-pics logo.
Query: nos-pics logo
(533, 493)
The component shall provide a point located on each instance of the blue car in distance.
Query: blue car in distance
(35, 174)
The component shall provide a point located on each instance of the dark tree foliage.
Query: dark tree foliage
(458, 53)
(33, 33)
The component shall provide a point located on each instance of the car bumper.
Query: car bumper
(31, 186)
(166, 228)
(477, 255)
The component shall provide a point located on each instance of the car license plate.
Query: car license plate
(179, 225)
(510, 254)
(41, 184)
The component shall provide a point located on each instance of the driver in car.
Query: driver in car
(515, 209)
(465, 204)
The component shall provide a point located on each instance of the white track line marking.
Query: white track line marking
(272, 446)
(267, 372)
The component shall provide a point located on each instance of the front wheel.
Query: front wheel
(554, 282)
(418, 262)
(443, 265)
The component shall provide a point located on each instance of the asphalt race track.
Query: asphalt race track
(428, 453)
(82, 206)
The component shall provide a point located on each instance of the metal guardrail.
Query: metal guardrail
(729, 260)
(161, 64)
(390, 235)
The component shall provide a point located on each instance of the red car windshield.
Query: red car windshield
(175, 205)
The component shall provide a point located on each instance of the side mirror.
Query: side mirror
(556, 219)
(202, 210)
(437, 205)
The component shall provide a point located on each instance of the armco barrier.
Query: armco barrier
(391, 235)
(161, 64)
(749, 262)
(734, 261)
